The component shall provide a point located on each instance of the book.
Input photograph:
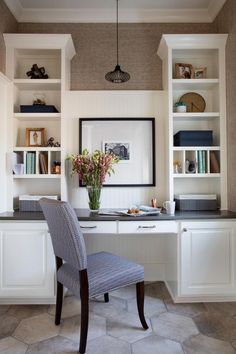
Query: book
(28, 163)
(43, 164)
(200, 165)
(214, 164)
(203, 161)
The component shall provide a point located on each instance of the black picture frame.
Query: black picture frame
(149, 141)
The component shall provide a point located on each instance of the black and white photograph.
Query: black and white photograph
(120, 149)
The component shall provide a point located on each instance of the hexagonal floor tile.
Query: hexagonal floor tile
(3, 309)
(7, 325)
(225, 308)
(216, 325)
(55, 345)
(70, 328)
(110, 309)
(11, 345)
(127, 327)
(71, 307)
(172, 326)
(35, 329)
(127, 292)
(202, 344)
(156, 345)
(25, 311)
(108, 345)
(152, 306)
(186, 309)
(157, 290)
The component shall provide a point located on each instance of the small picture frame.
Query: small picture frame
(119, 148)
(199, 73)
(183, 71)
(34, 136)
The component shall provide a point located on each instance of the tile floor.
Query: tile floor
(114, 328)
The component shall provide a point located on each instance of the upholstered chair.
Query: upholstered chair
(86, 276)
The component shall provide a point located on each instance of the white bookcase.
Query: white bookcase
(53, 52)
(201, 51)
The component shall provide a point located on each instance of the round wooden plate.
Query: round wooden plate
(195, 102)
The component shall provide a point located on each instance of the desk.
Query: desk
(194, 253)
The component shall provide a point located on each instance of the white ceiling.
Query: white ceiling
(105, 10)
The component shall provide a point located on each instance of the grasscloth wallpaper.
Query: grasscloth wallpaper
(96, 54)
(95, 46)
(7, 24)
(226, 23)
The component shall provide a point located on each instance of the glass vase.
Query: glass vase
(94, 194)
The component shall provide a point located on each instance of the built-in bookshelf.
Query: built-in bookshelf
(37, 169)
(196, 168)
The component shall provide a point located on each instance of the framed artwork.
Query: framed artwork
(183, 71)
(131, 139)
(34, 136)
(199, 73)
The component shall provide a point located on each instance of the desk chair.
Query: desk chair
(86, 276)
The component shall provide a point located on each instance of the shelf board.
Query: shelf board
(37, 116)
(37, 148)
(196, 175)
(37, 176)
(193, 148)
(38, 84)
(196, 116)
(194, 84)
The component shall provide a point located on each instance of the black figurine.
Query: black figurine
(51, 143)
(37, 73)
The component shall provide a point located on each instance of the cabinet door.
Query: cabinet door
(26, 260)
(207, 258)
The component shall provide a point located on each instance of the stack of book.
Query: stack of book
(202, 163)
(30, 163)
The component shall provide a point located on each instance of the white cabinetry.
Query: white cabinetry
(208, 258)
(27, 265)
(201, 51)
(36, 175)
(201, 261)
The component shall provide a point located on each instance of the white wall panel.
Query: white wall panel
(85, 104)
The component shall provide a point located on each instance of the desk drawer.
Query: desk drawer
(98, 227)
(147, 227)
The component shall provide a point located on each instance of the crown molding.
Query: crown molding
(108, 15)
(214, 8)
(15, 7)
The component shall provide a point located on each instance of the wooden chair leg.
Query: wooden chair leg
(140, 303)
(106, 297)
(59, 301)
(84, 295)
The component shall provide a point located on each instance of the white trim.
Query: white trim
(15, 7)
(214, 8)
(86, 15)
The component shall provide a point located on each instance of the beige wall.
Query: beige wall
(226, 23)
(8, 24)
(95, 46)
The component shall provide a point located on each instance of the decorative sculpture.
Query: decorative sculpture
(37, 73)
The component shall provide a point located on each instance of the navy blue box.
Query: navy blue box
(193, 138)
(38, 108)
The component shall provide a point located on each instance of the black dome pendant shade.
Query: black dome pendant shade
(117, 76)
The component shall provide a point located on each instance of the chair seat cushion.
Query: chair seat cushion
(106, 272)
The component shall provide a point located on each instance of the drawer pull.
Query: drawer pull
(88, 227)
(146, 227)
(184, 229)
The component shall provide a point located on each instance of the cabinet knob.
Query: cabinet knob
(184, 229)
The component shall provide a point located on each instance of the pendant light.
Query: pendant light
(117, 76)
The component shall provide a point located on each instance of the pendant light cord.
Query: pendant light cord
(117, 29)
